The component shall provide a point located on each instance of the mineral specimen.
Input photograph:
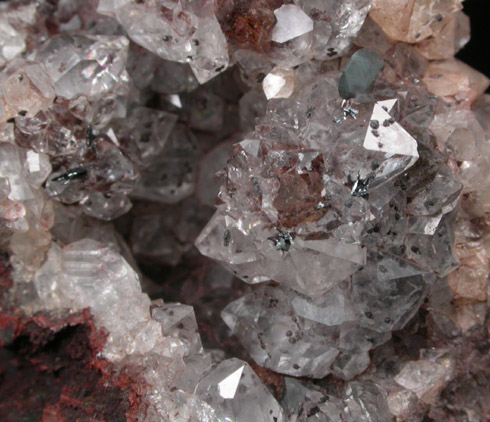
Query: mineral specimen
(242, 211)
(359, 74)
(182, 31)
(291, 22)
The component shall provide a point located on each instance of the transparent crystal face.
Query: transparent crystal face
(178, 31)
(84, 65)
(242, 211)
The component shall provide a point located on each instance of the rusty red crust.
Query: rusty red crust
(49, 370)
(248, 23)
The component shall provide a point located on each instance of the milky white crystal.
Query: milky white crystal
(425, 377)
(11, 42)
(279, 83)
(292, 22)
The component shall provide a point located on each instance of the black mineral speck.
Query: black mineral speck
(415, 249)
(226, 238)
(313, 411)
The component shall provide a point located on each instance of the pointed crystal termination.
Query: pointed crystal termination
(386, 135)
(277, 338)
(89, 274)
(292, 22)
(343, 208)
(211, 56)
(304, 205)
(411, 21)
(179, 321)
(170, 177)
(279, 83)
(302, 336)
(25, 211)
(362, 401)
(427, 376)
(236, 394)
(11, 42)
(332, 37)
(25, 89)
(144, 133)
(365, 401)
(360, 73)
(182, 31)
(81, 177)
(89, 65)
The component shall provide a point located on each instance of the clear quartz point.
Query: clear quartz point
(88, 65)
(231, 387)
(181, 31)
(243, 211)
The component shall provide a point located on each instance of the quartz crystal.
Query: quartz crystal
(242, 211)
(279, 83)
(12, 43)
(231, 387)
(332, 37)
(25, 89)
(316, 222)
(15, 21)
(411, 20)
(291, 23)
(182, 31)
(89, 274)
(171, 177)
(340, 215)
(84, 65)
(361, 401)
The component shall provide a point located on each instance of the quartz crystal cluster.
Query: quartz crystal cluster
(242, 211)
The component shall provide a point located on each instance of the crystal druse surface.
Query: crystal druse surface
(242, 211)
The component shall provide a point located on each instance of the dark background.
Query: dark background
(477, 52)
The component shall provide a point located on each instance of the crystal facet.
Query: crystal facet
(243, 211)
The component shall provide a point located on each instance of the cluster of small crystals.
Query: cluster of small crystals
(352, 151)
